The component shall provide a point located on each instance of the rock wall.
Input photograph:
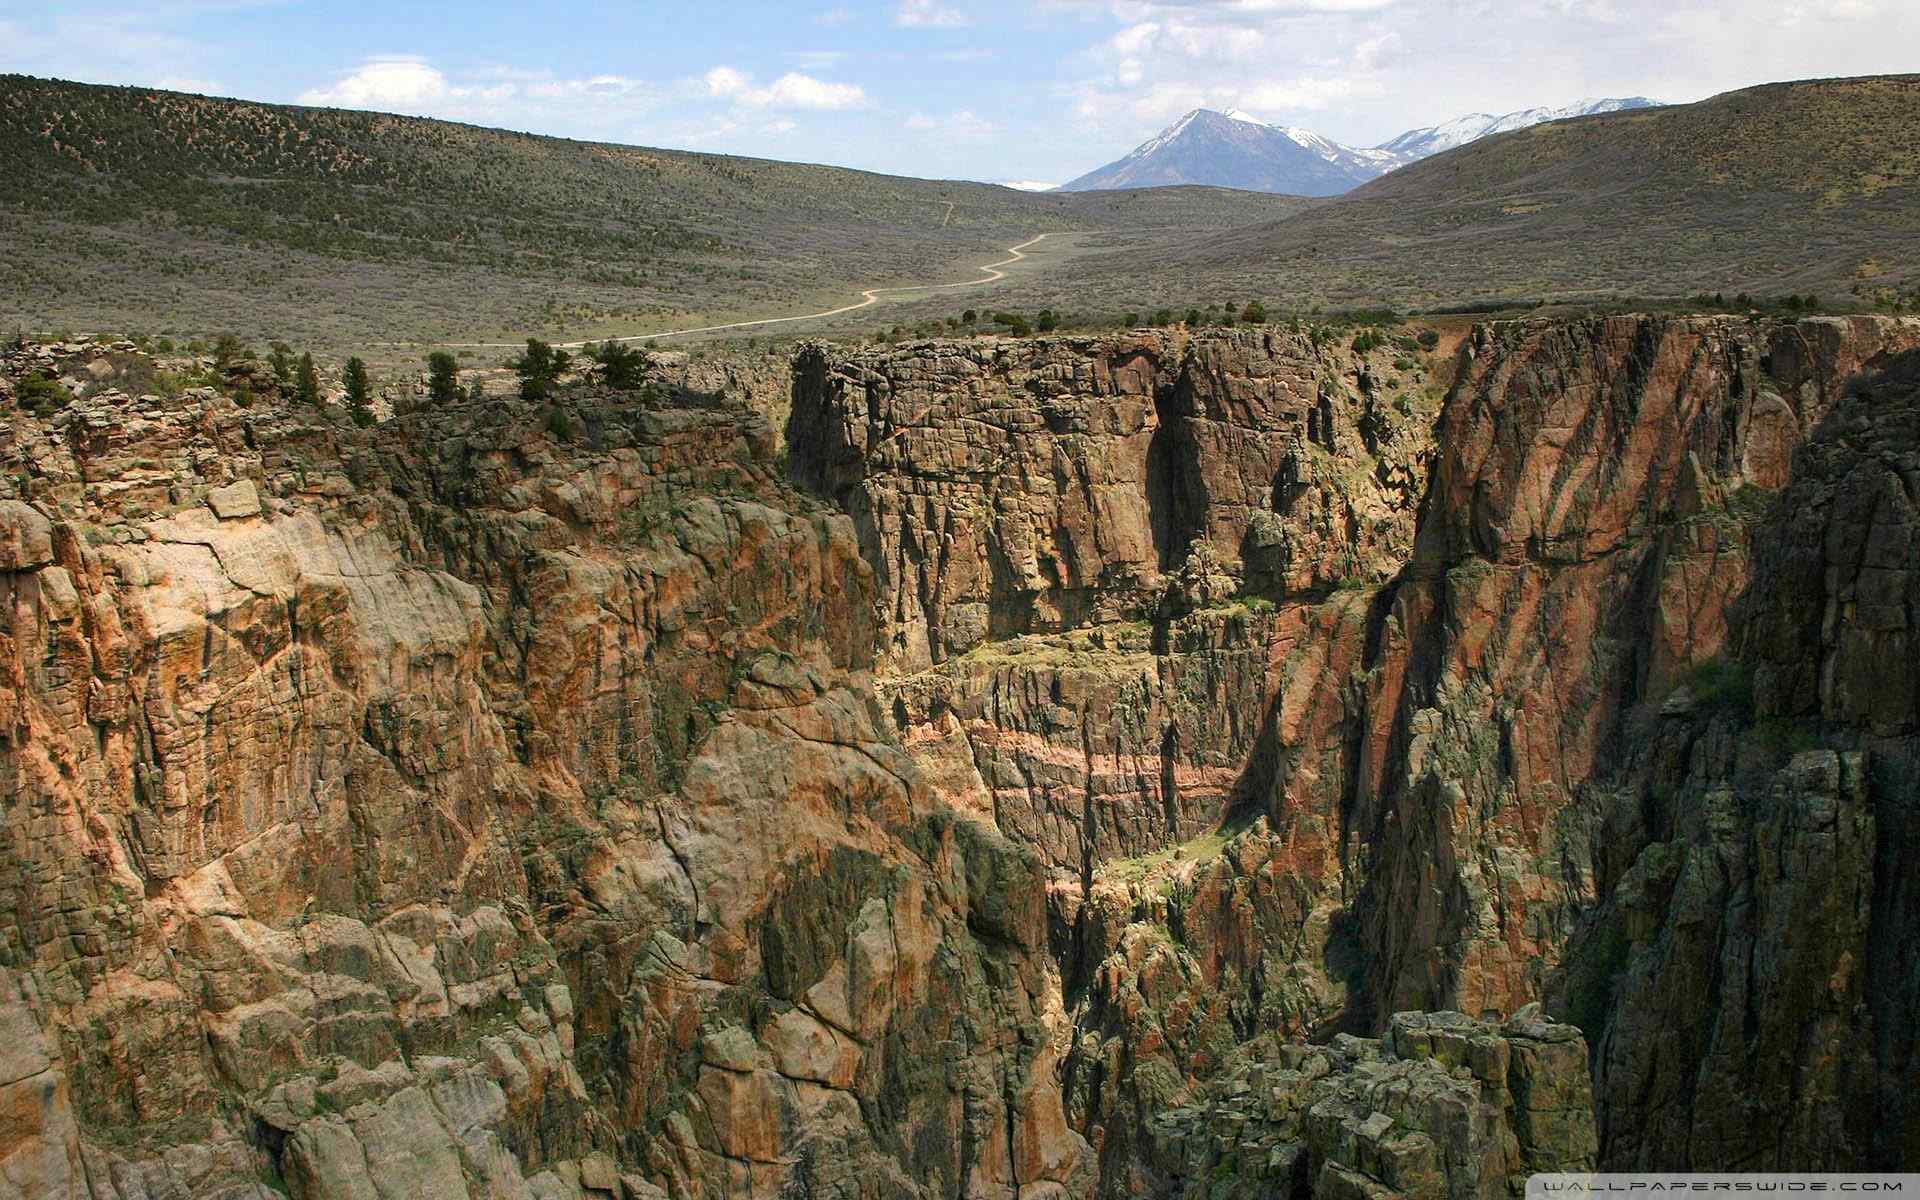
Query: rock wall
(1005, 488)
(1078, 544)
(490, 804)
(1752, 963)
(554, 801)
(1323, 699)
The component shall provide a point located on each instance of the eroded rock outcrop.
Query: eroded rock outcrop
(1006, 488)
(1441, 1106)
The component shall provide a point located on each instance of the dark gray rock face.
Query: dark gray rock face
(1751, 964)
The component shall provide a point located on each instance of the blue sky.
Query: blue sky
(975, 89)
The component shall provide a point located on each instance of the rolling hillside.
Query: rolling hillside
(137, 210)
(128, 208)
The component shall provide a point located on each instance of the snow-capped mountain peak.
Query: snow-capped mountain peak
(1419, 143)
(1168, 136)
(1236, 149)
(1309, 140)
(1435, 138)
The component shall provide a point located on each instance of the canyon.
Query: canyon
(1225, 763)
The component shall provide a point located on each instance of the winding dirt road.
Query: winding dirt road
(992, 274)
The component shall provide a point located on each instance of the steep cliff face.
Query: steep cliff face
(1587, 532)
(1752, 964)
(1078, 543)
(494, 804)
(1007, 488)
(1355, 727)
(1142, 765)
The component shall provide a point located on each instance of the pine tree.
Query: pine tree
(443, 377)
(620, 367)
(539, 368)
(306, 381)
(359, 393)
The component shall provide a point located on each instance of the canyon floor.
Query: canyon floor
(1219, 763)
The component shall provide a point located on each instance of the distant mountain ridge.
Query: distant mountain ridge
(1233, 149)
(1416, 144)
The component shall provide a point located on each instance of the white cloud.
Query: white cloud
(927, 14)
(1307, 94)
(409, 84)
(1279, 58)
(1376, 51)
(792, 90)
(384, 83)
(834, 16)
(1140, 10)
(1830, 10)
(725, 81)
(1027, 185)
(1284, 7)
(1586, 10)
